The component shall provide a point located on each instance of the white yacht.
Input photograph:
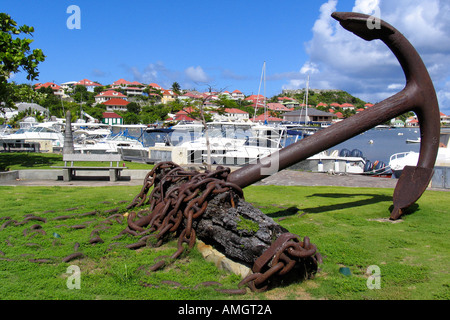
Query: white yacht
(41, 137)
(121, 136)
(399, 160)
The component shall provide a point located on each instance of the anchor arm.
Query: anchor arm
(418, 96)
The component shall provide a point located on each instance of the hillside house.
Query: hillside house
(314, 115)
(90, 85)
(111, 118)
(134, 91)
(347, 106)
(108, 95)
(116, 104)
(266, 117)
(257, 100)
(237, 95)
(168, 95)
(122, 83)
(57, 90)
(233, 114)
(155, 86)
(278, 107)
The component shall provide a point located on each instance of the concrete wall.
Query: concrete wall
(57, 174)
(9, 175)
(441, 178)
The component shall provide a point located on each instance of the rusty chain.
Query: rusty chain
(179, 197)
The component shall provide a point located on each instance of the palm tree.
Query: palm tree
(176, 87)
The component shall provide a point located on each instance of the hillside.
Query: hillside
(317, 96)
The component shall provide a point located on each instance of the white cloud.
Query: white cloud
(294, 84)
(154, 72)
(367, 6)
(368, 69)
(149, 74)
(396, 86)
(196, 74)
(444, 98)
(309, 68)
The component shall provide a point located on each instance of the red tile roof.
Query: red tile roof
(115, 102)
(186, 110)
(235, 110)
(110, 115)
(168, 93)
(255, 97)
(191, 95)
(86, 82)
(52, 85)
(268, 117)
(277, 107)
(121, 82)
(180, 117)
(285, 98)
(111, 93)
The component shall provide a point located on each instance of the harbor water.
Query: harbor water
(380, 144)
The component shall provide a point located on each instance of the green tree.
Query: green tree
(130, 118)
(176, 87)
(81, 95)
(133, 107)
(15, 55)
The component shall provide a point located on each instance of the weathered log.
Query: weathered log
(242, 233)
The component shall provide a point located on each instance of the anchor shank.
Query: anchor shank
(321, 140)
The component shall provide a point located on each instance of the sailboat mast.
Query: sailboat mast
(263, 74)
(265, 107)
(307, 89)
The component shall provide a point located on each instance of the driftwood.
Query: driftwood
(242, 233)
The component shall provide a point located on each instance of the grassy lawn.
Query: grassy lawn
(30, 160)
(346, 224)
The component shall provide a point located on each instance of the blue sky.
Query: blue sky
(225, 43)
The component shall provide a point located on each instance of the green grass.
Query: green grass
(30, 160)
(413, 255)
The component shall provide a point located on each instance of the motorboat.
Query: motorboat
(343, 162)
(260, 141)
(398, 161)
(42, 137)
(121, 136)
(413, 140)
(5, 130)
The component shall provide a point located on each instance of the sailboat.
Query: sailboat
(257, 104)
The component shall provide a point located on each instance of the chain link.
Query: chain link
(179, 197)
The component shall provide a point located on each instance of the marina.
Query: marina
(230, 143)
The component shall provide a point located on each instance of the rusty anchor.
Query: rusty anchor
(418, 96)
(179, 199)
